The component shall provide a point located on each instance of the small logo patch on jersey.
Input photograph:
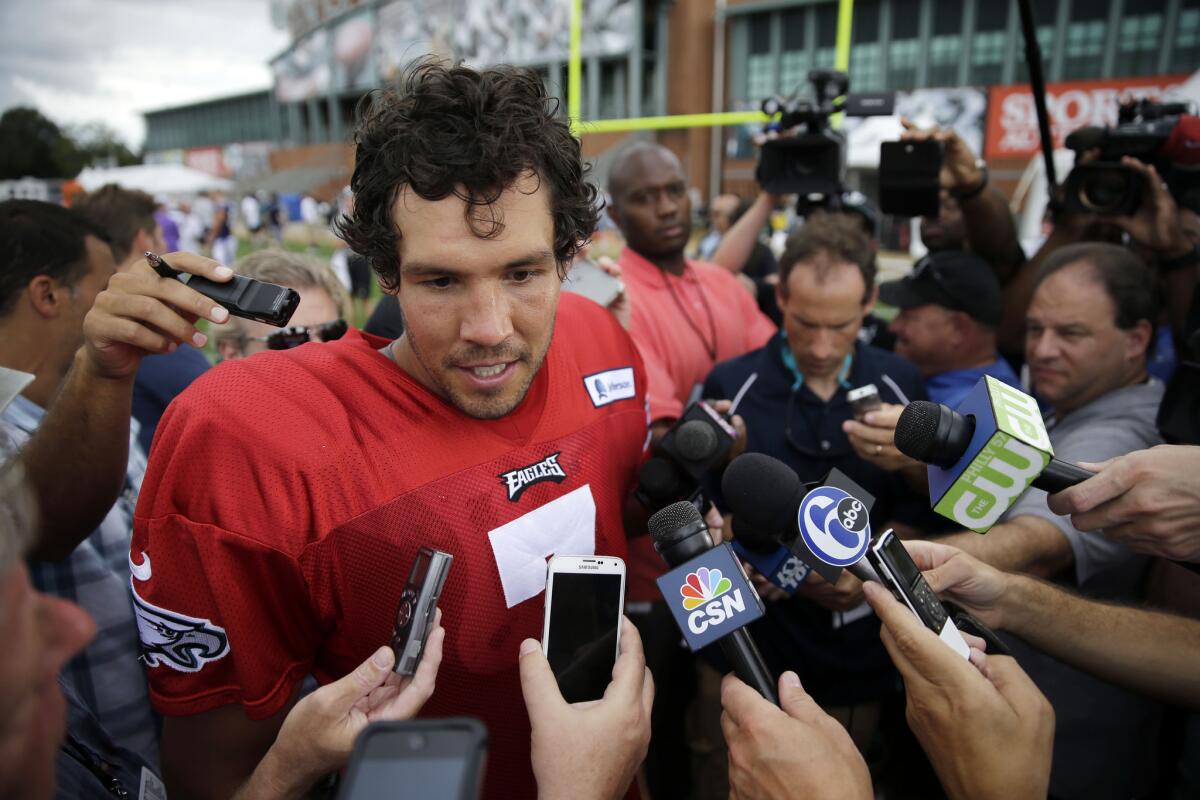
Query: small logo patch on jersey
(548, 469)
(610, 386)
(176, 640)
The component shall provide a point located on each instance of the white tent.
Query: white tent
(156, 179)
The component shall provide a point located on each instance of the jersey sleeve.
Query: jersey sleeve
(223, 616)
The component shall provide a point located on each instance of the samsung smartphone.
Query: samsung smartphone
(595, 284)
(863, 400)
(898, 572)
(585, 597)
(417, 606)
(434, 758)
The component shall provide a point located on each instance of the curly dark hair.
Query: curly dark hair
(452, 130)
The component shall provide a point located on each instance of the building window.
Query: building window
(760, 69)
(827, 22)
(904, 50)
(866, 54)
(1086, 33)
(612, 89)
(989, 44)
(1139, 37)
(793, 64)
(1044, 20)
(1186, 55)
(945, 47)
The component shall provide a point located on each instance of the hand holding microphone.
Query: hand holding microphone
(796, 750)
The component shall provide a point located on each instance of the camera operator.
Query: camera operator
(1148, 500)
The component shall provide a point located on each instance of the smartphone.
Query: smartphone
(581, 632)
(908, 178)
(595, 284)
(898, 572)
(435, 758)
(863, 399)
(417, 606)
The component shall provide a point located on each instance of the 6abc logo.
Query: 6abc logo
(835, 526)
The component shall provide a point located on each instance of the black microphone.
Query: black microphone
(826, 526)
(936, 434)
(680, 535)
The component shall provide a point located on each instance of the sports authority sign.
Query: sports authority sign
(1012, 130)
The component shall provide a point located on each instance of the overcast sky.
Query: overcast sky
(81, 61)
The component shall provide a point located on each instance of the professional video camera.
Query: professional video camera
(1158, 134)
(812, 162)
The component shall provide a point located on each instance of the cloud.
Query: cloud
(85, 61)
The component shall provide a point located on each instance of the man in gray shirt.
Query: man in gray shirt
(1088, 329)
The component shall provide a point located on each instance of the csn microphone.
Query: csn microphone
(708, 593)
(828, 528)
(983, 455)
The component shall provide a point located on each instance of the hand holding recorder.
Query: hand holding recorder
(988, 731)
(589, 750)
(141, 313)
(318, 734)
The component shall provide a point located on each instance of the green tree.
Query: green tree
(30, 144)
(97, 142)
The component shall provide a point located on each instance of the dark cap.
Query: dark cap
(953, 279)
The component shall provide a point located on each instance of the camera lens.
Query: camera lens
(1105, 192)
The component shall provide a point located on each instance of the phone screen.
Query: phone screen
(584, 615)
(420, 776)
(901, 562)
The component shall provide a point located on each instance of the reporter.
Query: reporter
(319, 732)
(1148, 500)
(988, 731)
(591, 750)
(794, 750)
(1145, 651)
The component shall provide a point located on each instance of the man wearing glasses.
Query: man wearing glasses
(794, 411)
(320, 317)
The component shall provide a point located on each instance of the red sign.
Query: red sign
(207, 159)
(1012, 129)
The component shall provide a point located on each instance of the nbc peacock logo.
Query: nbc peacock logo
(703, 585)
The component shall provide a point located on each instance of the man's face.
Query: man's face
(947, 232)
(479, 313)
(41, 633)
(722, 210)
(926, 336)
(821, 316)
(1075, 351)
(316, 307)
(653, 210)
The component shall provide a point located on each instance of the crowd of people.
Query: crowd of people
(199, 565)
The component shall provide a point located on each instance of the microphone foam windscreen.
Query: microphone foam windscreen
(667, 521)
(762, 492)
(696, 440)
(660, 480)
(916, 430)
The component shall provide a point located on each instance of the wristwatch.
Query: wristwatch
(961, 194)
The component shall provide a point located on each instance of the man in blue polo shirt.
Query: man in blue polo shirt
(950, 305)
(794, 411)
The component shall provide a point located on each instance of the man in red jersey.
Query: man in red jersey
(289, 492)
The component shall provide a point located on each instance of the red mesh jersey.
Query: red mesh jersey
(288, 494)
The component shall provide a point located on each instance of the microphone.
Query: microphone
(828, 528)
(707, 593)
(983, 455)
